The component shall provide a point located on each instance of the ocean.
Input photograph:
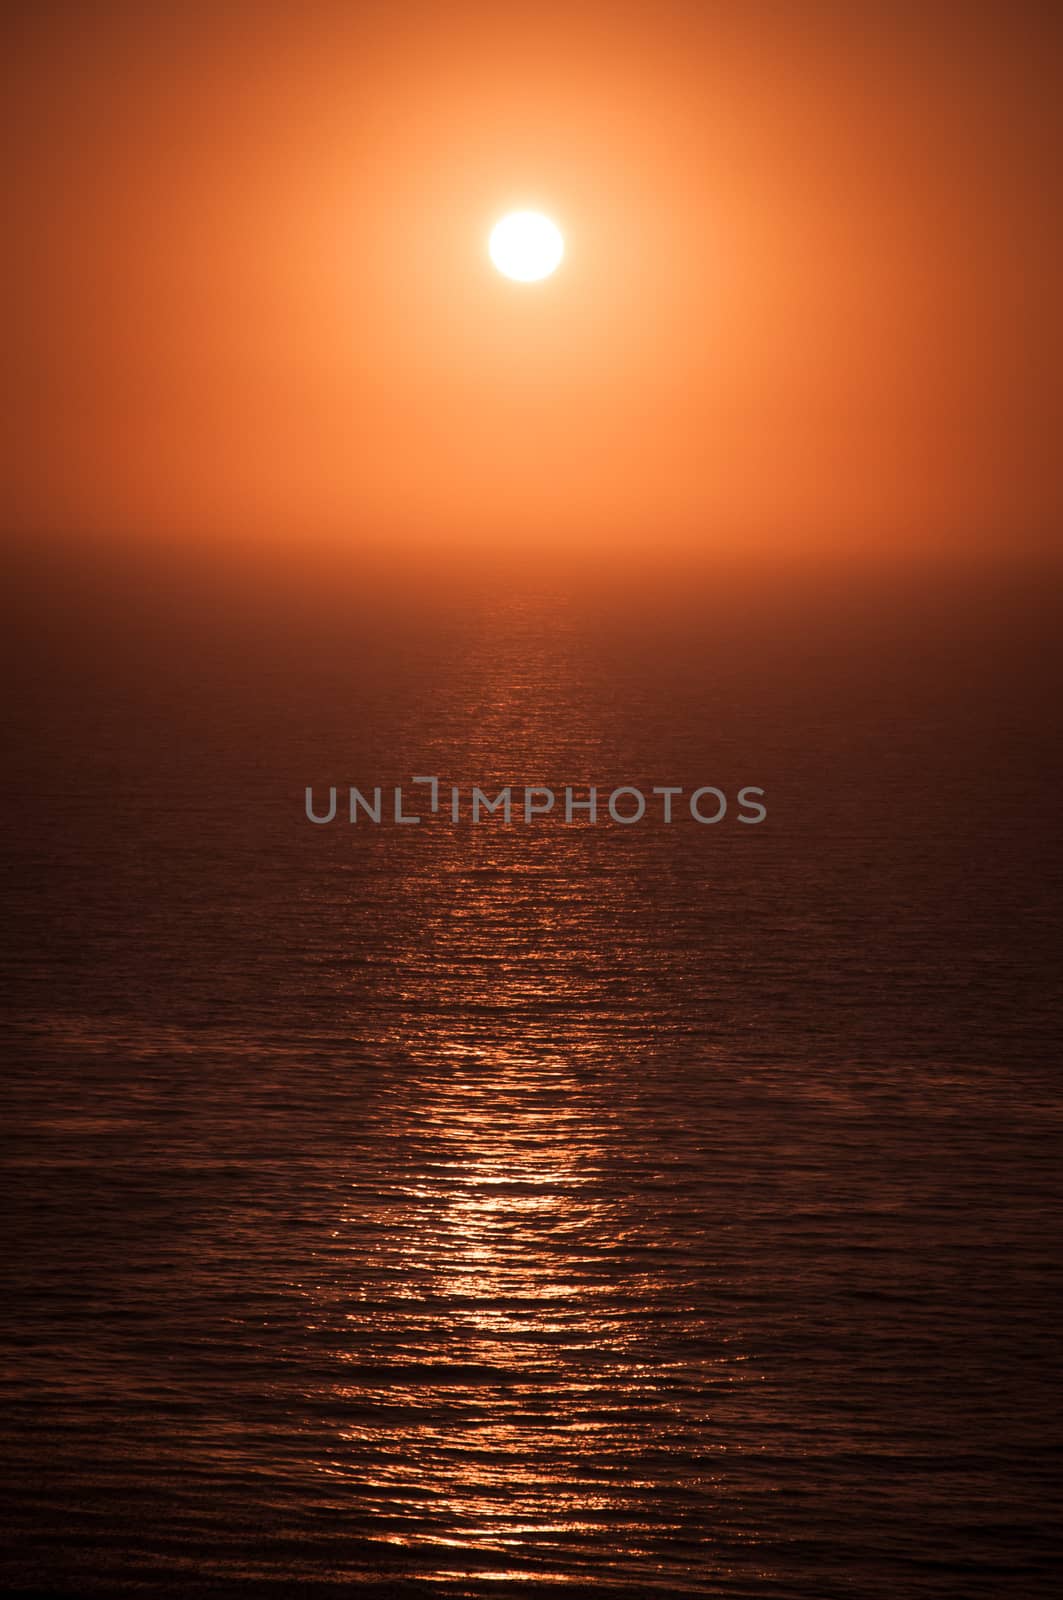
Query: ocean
(533, 1208)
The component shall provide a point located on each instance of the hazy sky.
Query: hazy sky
(797, 312)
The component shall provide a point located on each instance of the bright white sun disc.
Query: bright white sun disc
(526, 245)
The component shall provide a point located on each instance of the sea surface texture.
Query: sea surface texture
(531, 1208)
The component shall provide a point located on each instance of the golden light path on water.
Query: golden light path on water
(526, 1371)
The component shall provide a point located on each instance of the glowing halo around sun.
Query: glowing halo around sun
(526, 246)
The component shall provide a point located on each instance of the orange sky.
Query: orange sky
(795, 311)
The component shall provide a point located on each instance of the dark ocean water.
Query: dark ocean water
(521, 1209)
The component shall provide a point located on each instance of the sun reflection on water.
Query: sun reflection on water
(521, 1384)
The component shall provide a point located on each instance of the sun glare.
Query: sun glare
(526, 246)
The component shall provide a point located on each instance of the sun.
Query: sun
(526, 246)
